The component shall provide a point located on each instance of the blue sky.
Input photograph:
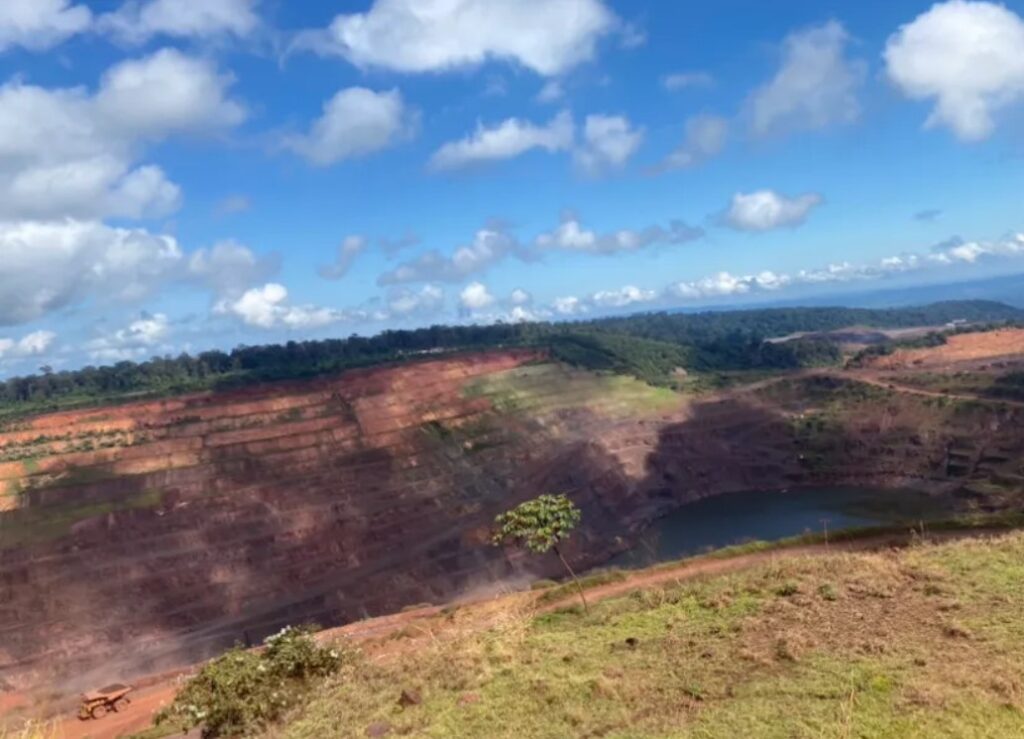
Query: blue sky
(178, 175)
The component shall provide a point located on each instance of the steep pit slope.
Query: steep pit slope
(146, 536)
(848, 429)
(141, 536)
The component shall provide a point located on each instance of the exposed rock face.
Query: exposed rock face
(142, 537)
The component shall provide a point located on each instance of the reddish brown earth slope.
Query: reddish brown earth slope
(147, 536)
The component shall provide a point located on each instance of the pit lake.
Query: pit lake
(735, 518)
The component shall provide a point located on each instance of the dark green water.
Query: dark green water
(735, 518)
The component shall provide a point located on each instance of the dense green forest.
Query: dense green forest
(712, 326)
(650, 346)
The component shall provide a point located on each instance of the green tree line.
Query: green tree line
(649, 346)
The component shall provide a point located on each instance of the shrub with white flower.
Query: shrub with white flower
(245, 690)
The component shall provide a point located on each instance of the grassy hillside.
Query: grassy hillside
(921, 643)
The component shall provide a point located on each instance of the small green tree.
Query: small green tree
(538, 525)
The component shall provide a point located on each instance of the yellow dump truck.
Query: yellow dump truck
(98, 703)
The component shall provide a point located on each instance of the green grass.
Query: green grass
(548, 387)
(593, 580)
(697, 383)
(925, 642)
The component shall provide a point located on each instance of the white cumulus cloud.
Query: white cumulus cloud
(476, 297)
(522, 314)
(546, 36)
(67, 153)
(141, 337)
(478, 303)
(402, 302)
(136, 22)
(568, 305)
(948, 255)
(816, 85)
(966, 56)
(520, 297)
(164, 93)
(765, 210)
(623, 297)
(507, 140)
(355, 122)
(268, 307)
(495, 242)
(723, 284)
(489, 246)
(228, 268)
(30, 345)
(51, 265)
(608, 143)
(571, 235)
(39, 25)
(970, 252)
(87, 188)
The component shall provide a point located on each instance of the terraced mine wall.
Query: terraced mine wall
(142, 537)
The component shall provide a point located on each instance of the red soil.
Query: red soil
(960, 348)
(221, 517)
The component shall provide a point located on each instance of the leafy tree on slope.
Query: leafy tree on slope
(538, 525)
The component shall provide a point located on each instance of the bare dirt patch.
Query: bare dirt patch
(959, 348)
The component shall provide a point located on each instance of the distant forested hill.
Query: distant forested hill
(650, 346)
(698, 327)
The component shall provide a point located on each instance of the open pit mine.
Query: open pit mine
(146, 536)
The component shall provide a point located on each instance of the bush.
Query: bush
(787, 589)
(242, 691)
